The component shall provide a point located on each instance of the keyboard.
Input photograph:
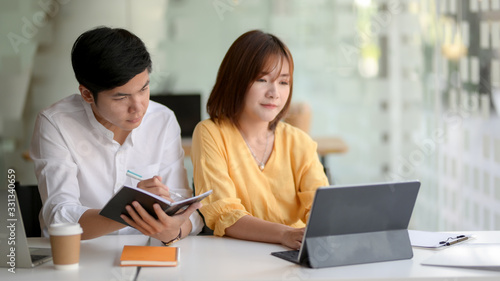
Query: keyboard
(35, 258)
(292, 255)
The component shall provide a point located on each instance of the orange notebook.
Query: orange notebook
(149, 256)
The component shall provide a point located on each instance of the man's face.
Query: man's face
(122, 108)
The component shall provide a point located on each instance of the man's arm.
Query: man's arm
(95, 225)
(57, 175)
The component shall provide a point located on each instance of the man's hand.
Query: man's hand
(155, 186)
(165, 228)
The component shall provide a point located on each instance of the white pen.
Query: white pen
(139, 178)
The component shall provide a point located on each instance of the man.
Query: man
(83, 145)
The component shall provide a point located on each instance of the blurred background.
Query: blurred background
(410, 87)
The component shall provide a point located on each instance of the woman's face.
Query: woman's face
(267, 95)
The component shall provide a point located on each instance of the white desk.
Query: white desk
(215, 258)
(99, 260)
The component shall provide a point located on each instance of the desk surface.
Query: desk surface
(99, 260)
(327, 145)
(215, 258)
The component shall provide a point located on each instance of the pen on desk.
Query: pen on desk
(139, 178)
(457, 240)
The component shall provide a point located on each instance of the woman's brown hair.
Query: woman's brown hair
(252, 54)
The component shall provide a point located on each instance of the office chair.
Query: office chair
(299, 115)
(30, 205)
(205, 230)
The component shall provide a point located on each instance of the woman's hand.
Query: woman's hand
(292, 238)
(255, 229)
(165, 228)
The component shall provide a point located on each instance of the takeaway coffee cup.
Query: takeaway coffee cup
(65, 244)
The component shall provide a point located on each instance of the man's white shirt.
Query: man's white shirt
(79, 166)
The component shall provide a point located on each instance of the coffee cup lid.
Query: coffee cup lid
(61, 229)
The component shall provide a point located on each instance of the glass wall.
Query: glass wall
(410, 86)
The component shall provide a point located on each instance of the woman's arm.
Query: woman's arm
(255, 229)
(211, 171)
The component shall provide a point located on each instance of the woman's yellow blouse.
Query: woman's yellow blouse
(283, 192)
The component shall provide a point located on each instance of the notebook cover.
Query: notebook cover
(126, 195)
(149, 256)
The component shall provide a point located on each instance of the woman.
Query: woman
(263, 172)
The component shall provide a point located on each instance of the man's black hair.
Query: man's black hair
(105, 58)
